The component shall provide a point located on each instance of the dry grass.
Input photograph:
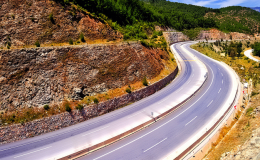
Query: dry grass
(78, 42)
(238, 135)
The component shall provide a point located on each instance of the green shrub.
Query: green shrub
(37, 44)
(128, 90)
(254, 93)
(51, 18)
(154, 36)
(145, 44)
(126, 36)
(82, 37)
(12, 16)
(96, 101)
(70, 41)
(249, 111)
(67, 107)
(79, 107)
(46, 107)
(8, 47)
(144, 81)
(142, 35)
(160, 33)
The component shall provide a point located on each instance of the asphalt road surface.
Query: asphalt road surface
(154, 142)
(165, 136)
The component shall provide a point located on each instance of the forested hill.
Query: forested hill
(135, 18)
(237, 19)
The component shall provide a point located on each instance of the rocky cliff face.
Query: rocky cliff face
(174, 37)
(38, 76)
(23, 22)
(216, 34)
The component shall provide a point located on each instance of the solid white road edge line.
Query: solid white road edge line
(156, 144)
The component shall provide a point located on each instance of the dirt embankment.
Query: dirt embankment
(38, 76)
(23, 22)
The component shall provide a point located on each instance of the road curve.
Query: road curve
(167, 137)
(248, 54)
(75, 138)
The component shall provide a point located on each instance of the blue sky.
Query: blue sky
(221, 3)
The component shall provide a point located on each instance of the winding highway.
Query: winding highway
(163, 139)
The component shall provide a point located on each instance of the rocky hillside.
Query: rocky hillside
(34, 77)
(23, 22)
(217, 35)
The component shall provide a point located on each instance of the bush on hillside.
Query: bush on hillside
(144, 81)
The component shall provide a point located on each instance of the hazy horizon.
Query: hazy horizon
(221, 3)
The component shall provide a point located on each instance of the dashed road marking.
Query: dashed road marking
(210, 103)
(156, 144)
(219, 90)
(190, 121)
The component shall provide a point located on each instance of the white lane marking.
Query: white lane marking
(222, 74)
(190, 121)
(156, 144)
(135, 114)
(210, 103)
(219, 90)
(162, 124)
(94, 131)
(192, 75)
(222, 81)
(189, 81)
(32, 152)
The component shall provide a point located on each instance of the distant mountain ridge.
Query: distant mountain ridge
(256, 8)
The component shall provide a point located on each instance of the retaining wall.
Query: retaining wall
(37, 127)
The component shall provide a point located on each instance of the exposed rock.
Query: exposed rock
(215, 34)
(23, 22)
(38, 76)
(48, 124)
(250, 150)
(172, 37)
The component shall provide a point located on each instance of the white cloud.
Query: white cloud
(231, 3)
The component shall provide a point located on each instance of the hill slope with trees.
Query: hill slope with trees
(136, 18)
